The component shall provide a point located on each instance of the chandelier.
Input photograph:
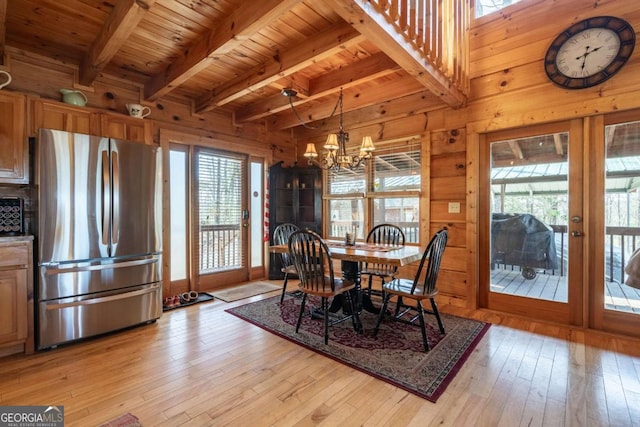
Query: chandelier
(336, 157)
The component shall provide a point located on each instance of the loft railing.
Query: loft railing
(437, 29)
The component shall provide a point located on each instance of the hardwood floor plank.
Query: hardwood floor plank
(200, 366)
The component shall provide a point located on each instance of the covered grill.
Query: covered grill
(522, 240)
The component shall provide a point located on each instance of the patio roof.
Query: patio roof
(623, 175)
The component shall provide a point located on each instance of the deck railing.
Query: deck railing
(411, 231)
(220, 247)
(620, 242)
(437, 29)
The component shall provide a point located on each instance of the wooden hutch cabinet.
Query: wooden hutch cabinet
(295, 196)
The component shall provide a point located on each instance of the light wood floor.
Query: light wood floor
(200, 366)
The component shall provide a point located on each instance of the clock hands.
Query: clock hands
(585, 54)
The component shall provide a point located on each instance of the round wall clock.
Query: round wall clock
(589, 52)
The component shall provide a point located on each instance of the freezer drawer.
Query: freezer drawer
(68, 319)
(72, 279)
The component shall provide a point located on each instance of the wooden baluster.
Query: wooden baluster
(394, 11)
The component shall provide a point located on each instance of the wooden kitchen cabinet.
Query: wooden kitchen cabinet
(51, 114)
(121, 126)
(57, 115)
(14, 151)
(16, 295)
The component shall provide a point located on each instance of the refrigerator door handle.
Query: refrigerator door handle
(123, 295)
(51, 271)
(115, 170)
(106, 197)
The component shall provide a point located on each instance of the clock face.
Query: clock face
(589, 52)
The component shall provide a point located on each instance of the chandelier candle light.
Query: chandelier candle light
(336, 156)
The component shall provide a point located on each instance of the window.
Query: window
(388, 191)
(485, 7)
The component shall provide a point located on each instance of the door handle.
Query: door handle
(576, 233)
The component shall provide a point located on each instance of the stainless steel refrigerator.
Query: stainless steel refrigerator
(98, 230)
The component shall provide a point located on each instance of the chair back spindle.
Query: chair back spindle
(310, 255)
(428, 276)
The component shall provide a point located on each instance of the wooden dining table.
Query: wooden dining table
(351, 258)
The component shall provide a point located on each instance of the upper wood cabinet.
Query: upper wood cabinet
(14, 154)
(57, 115)
(124, 127)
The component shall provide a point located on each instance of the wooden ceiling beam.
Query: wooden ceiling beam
(318, 48)
(122, 21)
(365, 98)
(3, 29)
(414, 104)
(370, 68)
(231, 33)
(383, 34)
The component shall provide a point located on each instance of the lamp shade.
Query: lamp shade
(311, 152)
(367, 144)
(332, 142)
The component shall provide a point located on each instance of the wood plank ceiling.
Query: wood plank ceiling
(233, 55)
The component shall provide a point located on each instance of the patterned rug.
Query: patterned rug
(395, 355)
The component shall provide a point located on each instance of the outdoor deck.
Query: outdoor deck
(552, 287)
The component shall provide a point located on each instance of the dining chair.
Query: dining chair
(382, 234)
(312, 260)
(422, 287)
(281, 237)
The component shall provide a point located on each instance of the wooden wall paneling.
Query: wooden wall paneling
(524, 37)
(455, 259)
(450, 141)
(440, 212)
(448, 188)
(456, 230)
(454, 284)
(449, 165)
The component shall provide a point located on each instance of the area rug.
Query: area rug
(245, 290)
(126, 420)
(396, 355)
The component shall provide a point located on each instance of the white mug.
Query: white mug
(139, 111)
(8, 79)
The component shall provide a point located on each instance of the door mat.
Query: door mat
(395, 355)
(202, 297)
(245, 290)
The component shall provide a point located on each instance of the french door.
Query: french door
(615, 295)
(532, 222)
(561, 222)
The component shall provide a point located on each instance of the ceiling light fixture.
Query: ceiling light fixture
(336, 156)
